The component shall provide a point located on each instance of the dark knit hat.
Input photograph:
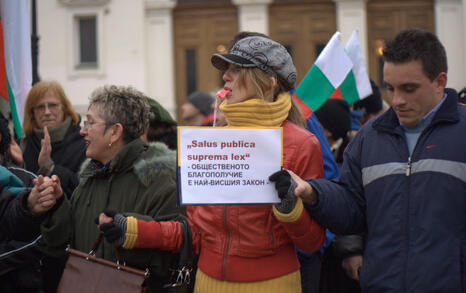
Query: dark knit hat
(203, 101)
(159, 114)
(334, 115)
(263, 53)
(371, 104)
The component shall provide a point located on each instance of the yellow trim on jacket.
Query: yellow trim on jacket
(131, 233)
(293, 216)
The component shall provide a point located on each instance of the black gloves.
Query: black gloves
(285, 185)
(115, 232)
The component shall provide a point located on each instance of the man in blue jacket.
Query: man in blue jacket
(403, 179)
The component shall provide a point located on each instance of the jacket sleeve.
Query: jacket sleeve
(16, 221)
(159, 205)
(348, 245)
(57, 228)
(304, 231)
(341, 203)
(164, 235)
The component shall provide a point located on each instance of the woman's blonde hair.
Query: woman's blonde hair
(263, 86)
(34, 97)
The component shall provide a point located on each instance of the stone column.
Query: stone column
(351, 15)
(253, 15)
(160, 51)
(450, 29)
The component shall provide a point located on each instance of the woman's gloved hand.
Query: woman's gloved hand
(113, 225)
(285, 186)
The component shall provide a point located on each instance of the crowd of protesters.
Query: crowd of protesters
(376, 207)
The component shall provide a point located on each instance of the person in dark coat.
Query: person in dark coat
(21, 213)
(122, 173)
(402, 179)
(19, 272)
(52, 144)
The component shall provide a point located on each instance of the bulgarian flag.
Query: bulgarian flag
(15, 57)
(358, 76)
(337, 73)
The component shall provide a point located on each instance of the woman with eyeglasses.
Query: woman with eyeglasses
(52, 145)
(124, 173)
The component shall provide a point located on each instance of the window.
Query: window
(87, 42)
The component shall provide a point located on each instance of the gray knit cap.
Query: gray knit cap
(260, 52)
(203, 101)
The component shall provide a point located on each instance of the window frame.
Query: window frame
(75, 67)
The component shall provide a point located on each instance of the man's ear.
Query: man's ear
(441, 82)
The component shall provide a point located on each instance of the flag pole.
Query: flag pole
(34, 44)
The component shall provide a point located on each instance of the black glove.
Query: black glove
(285, 186)
(115, 232)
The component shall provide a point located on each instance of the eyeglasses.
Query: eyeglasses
(53, 107)
(88, 124)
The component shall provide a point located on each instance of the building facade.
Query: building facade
(163, 47)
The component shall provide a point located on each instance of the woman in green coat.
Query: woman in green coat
(122, 173)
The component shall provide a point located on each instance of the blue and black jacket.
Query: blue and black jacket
(413, 208)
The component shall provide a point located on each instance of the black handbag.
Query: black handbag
(183, 276)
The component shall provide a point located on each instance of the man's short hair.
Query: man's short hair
(416, 44)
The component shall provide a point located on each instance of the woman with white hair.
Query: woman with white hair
(123, 173)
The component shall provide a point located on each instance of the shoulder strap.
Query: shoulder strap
(186, 253)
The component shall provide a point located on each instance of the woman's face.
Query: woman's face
(96, 137)
(238, 92)
(49, 111)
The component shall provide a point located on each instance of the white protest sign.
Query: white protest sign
(226, 165)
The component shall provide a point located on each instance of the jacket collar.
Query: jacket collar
(122, 161)
(448, 112)
(155, 161)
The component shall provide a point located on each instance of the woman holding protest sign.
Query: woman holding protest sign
(246, 248)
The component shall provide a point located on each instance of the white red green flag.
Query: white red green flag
(328, 72)
(15, 57)
(336, 71)
(357, 85)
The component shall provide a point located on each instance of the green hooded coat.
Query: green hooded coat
(140, 181)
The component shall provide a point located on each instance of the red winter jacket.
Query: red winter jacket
(245, 243)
